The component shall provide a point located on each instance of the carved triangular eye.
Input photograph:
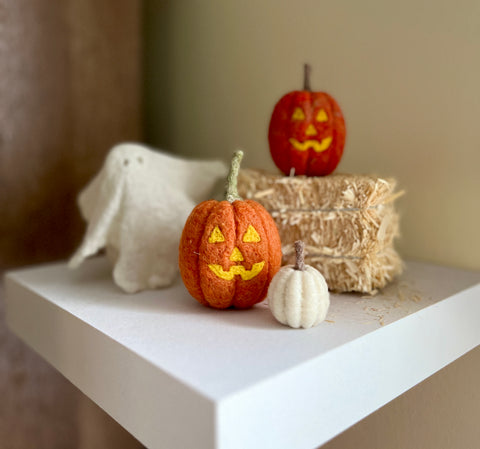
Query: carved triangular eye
(322, 116)
(298, 114)
(251, 235)
(216, 236)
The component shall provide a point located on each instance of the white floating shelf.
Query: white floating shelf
(176, 374)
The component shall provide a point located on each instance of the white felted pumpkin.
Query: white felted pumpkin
(298, 294)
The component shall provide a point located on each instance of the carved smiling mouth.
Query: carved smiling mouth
(245, 274)
(318, 146)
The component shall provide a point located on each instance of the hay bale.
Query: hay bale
(348, 224)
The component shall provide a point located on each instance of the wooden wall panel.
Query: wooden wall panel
(69, 89)
(35, 129)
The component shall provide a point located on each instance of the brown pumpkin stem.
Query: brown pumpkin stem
(231, 194)
(306, 77)
(299, 255)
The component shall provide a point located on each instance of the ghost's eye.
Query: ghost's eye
(322, 116)
(216, 236)
(251, 235)
(298, 114)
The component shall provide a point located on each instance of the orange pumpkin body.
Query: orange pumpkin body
(229, 253)
(307, 132)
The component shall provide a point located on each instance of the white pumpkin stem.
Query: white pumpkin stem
(231, 194)
(306, 77)
(299, 255)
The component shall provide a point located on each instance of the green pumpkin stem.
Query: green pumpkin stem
(231, 194)
(299, 255)
(306, 77)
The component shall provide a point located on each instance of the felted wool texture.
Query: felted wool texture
(197, 253)
(136, 207)
(298, 298)
(290, 140)
(348, 224)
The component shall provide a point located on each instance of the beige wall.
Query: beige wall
(407, 75)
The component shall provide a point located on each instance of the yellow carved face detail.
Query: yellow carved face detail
(250, 236)
(216, 236)
(321, 116)
(317, 145)
(298, 114)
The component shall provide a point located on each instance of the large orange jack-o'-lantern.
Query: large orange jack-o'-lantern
(307, 132)
(229, 250)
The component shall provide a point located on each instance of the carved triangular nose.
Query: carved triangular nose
(311, 131)
(236, 255)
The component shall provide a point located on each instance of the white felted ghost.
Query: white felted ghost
(136, 207)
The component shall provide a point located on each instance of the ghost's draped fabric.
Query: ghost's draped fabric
(136, 207)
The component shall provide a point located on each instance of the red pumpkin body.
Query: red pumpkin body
(229, 253)
(307, 133)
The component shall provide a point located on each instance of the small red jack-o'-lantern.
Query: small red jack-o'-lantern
(229, 250)
(307, 132)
